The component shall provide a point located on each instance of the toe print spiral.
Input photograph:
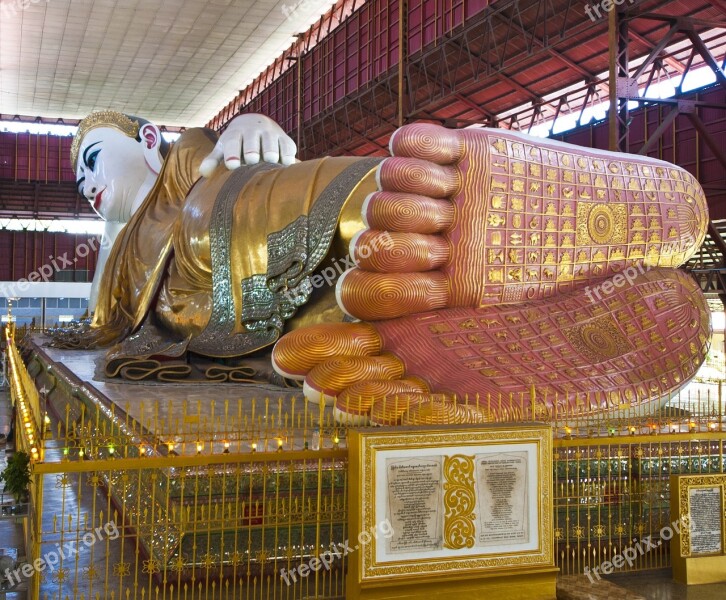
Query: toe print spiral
(418, 177)
(334, 375)
(395, 211)
(299, 351)
(399, 252)
(430, 142)
(375, 296)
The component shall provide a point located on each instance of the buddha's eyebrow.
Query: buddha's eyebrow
(85, 152)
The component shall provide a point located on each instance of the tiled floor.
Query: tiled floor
(11, 530)
(578, 587)
(659, 585)
(645, 585)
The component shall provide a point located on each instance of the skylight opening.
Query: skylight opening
(74, 227)
(60, 130)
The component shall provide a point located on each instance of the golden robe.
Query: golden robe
(222, 266)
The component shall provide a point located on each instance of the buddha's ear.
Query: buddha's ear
(151, 142)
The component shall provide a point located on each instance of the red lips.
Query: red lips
(97, 202)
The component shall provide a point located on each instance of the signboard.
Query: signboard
(455, 500)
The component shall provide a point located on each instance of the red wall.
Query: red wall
(31, 157)
(42, 160)
(361, 49)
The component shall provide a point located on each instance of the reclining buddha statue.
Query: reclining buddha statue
(475, 261)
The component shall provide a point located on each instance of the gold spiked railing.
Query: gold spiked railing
(235, 499)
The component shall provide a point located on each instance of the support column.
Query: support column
(620, 83)
(299, 76)
(402, 61)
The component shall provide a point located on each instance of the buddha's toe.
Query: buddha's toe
(415, 176)
(374, 296)
(328, 379)
(297, 352)
(384, 252)
(412, 213)
(438, 410)
(353, 405)
(428, 142)
(426, 409)
(404, 402)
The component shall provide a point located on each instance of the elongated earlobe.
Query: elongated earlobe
(151, 141)
(150, 136)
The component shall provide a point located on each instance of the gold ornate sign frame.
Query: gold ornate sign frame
(686, 483)
(457, 446)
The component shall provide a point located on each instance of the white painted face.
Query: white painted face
(113, 170)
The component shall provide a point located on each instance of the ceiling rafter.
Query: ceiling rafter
(672, 62)
(589, 77)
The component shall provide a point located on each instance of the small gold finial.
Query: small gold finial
(103, 118)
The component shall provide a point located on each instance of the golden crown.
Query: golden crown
(102, 118)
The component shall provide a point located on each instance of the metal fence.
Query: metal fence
(230, 501)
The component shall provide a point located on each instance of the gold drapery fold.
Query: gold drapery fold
(208, 265)
(139, 256)
(268, 231)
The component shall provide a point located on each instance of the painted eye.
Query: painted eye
(91, 162)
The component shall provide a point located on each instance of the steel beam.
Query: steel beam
(619, 74)
(670, 18)
(707, 56)
(718, 241)
(674, 63)
(715, 147)
(587, 75)
(658, 133)
(720, 4)
(449, 93)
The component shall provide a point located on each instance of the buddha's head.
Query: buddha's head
(116, 159)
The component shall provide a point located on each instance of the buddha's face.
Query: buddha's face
(113, 170)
